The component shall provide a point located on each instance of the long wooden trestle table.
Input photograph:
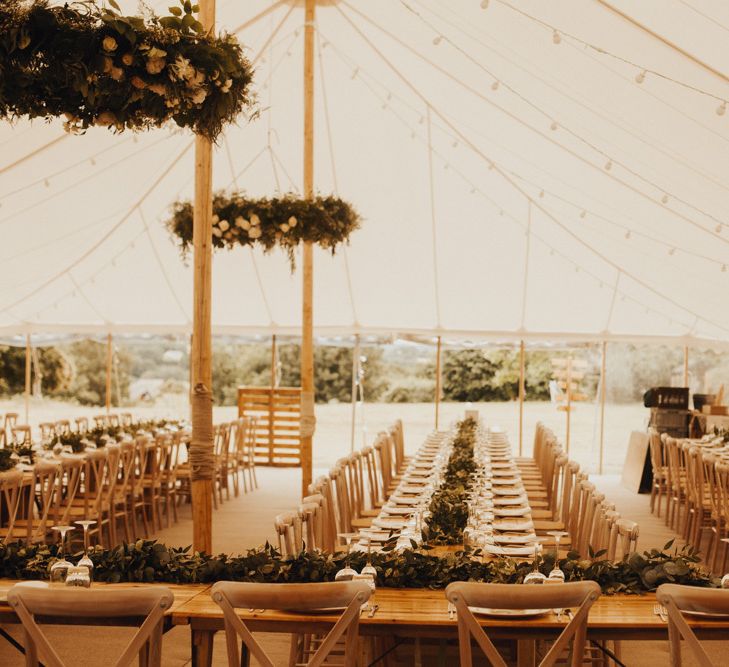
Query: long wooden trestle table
(405, 613)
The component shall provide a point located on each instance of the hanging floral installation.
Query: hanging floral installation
(95, 66)
(270, 222)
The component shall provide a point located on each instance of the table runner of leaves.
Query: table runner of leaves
(95, 66)
(448, 507)
(151, 561)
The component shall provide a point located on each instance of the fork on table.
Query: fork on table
(451, 611)
(660, 611)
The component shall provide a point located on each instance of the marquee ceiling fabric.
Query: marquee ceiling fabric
(524, 170)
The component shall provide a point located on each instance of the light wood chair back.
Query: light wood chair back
(398, 438)
(623, 539)
(676, 599)
(100, 420)
(21, 434)
(311, 523)
(575, 508)
(304, 597)
(82, 424)
(47, 486)
(47, 431)
(322, 486)
(584, 527)
(126, 419)
(571, 471)
(10, 420)
(11, 483)
(62, 426)
(342, 506)
(29, 599)
(72, 471)
(579, 595)
(288, 529)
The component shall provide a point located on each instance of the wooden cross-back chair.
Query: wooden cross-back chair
(82, 424)
(119, 498)
(313, 521)
(659, 487)
(11, 483)
(623, 539)
(47, 431)
(322, 487)
(676, 599)
(288, 529)
(579, 595)
(92, 499)
(21, 434)
(29, 599)
(10, 420)
(350, 595)
(62, 426)
(137, 500)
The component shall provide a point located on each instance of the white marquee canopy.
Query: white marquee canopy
(524, 170)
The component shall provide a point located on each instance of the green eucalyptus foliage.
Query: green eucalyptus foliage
(449, 504)
(96, 66)
(150, 561)
(270, 222)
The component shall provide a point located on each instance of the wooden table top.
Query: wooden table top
(428, 609)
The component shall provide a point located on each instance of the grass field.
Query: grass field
(333, 437)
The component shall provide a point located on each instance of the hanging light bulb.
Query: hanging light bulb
(355, 72)
(721, 109)
(455, 144)
(628, 234)
(718, 229)
(93, 162)
(389, 96)
(551, 252)
(556, 37)
(553, 126)
(672, 251)
(412, 134)
(47, 183)
(608, 165)
(541, 194)
(421, 120)
(583, 213)
(640, 76)
(473, 191)
(446, 166)
(484, 4)
(495, 85)
(723, 268)
(664, 199)
(577, 269)
(384, 106)
(437, 39)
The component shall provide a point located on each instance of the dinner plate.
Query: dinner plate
(514, 538)
(505, 481)
(414, 489)
(703, 614)
(509, 500)
(511, 524)
(388, 522)
(511, 511)
(510, 613)
(496, 550)
(404, 500)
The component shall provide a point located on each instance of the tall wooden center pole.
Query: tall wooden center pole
(522, 392)
(308, 420)
(109, 364)
(438, 380)
(685, 366)
(603, 389)
(28, 361)
(201, 445)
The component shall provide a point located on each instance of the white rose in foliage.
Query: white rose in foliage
(215, 218)
(255, 220)
(293, 221)
(224, 225)
(255, 232)
(217, 232)
(198, 97)
(284, 228)
(241, 222)
(109, 44)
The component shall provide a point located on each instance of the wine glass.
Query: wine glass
(556, 573)
(347, 572)
(85, 560)
(59, 569)
(535, 576)
(369, 569)
(725, 578)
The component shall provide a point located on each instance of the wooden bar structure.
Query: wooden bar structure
(308, 421)
(522, 394)
(438, 380)
(278, 423)
(201, 444)
(28, 365)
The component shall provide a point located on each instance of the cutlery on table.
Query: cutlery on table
(373, 610)
(660, 611)
(451, 611)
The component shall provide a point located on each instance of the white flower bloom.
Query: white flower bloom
(154, 52)
(182, 69)
(155, 65)
(217, 232)
(198, 96)
(254, 232)
(109, 44)
(293, 221)
(197, 79)
(158, 88)
(241, 222)
(117, 73)
(215, 218)
(255, 220)
(224, 225)
(227, 86)
(284, 228)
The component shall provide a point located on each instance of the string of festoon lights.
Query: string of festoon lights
(660, 196)
(385, 99)
(557, 124)
(641, 71)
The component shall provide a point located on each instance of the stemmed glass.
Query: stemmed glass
(725, 578)
(85, 560)
(535, 576)
(556, 573)
(369, 569)
(347, 572)
(59, 569)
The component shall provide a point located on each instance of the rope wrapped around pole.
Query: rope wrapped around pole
(202, 456)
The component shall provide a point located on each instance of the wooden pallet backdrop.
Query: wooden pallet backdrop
(278, 411)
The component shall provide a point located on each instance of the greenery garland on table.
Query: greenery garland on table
(449, 505)
(96, 66)
(269, 222)
(150, 561)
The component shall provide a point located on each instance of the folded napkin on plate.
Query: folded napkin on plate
(507, 551)
(511, 524)
(515, 538)
(412, 489)
(505, 481)
(395, 510)
(388, 522)
(403, 500)
(510, 500)
(511, 511)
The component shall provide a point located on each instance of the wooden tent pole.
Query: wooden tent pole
(274, 375)
(685, 366)
(28, 363)
(603, 391)
(201, 443)
(569, 404)
(109, 363)
(308, 420)
(438, 381)
(355, 385)
(522, 392)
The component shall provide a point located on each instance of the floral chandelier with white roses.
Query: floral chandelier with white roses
(95, 66)
(270, 222)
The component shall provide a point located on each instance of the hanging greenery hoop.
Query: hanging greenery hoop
(95, 66)
(270, 222)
